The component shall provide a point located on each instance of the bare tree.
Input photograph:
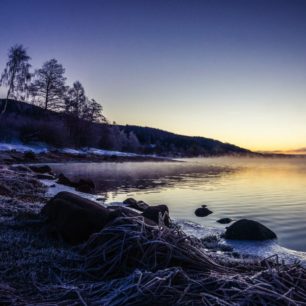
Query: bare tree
(49, 85)
(92, 112)
(75, 99)
(16, 75)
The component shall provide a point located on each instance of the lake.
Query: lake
(269, 190)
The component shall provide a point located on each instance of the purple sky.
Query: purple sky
(230, 70)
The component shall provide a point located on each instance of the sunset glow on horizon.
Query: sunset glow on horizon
(234, 71)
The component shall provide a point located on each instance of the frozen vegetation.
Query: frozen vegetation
(128, 262)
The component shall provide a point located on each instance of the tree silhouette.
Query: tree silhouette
(49, 86)
(75, 100)
(16, 75)
(92, 111)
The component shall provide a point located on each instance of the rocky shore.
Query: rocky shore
(68, 250)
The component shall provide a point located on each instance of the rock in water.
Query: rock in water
(130, 201)
(85, 185)
(224, 220)
(63, 180)
(41, 169)
(202, 212)
(153, 212)
(75, 218)
(139, 205)
(245, 229)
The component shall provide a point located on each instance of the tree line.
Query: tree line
(46, 87)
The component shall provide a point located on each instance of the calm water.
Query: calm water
(272, 191)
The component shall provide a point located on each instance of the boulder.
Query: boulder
(245, 229)
(224, 220)
(202, 212)
(75, 218)
(139, 205)
(153, 213)
(41, 169)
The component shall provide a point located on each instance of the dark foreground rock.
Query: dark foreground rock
(224, 220)
(202, 212)
(75, 218)
(245, 229)
(154, 212)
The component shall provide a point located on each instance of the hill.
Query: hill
(27, 123)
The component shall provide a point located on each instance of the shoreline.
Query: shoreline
(38, 269)
(14, 157)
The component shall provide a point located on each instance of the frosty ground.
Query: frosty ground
(127, 263)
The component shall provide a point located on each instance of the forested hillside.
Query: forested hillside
(27, 123)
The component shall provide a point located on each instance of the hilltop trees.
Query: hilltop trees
(74, 127)
(16, 75)
(78, 105)
(75, 100)
(93, 112)
(49, 85)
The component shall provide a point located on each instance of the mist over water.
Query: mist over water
(269, 190)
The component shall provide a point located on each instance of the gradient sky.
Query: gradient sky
(229, 70)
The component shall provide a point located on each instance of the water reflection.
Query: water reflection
(271, 191)
(123, 178)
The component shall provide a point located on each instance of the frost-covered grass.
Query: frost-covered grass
(126, 263)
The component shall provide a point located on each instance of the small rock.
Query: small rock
(224, 220)
(245, 229)
(41, 169)
(86, 186)
(63, 180)
(88, 182)
(202, 212)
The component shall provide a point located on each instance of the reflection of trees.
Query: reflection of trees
(143, 177)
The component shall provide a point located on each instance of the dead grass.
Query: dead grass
(130, 263)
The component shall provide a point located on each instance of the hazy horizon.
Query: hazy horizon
(233, 71)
